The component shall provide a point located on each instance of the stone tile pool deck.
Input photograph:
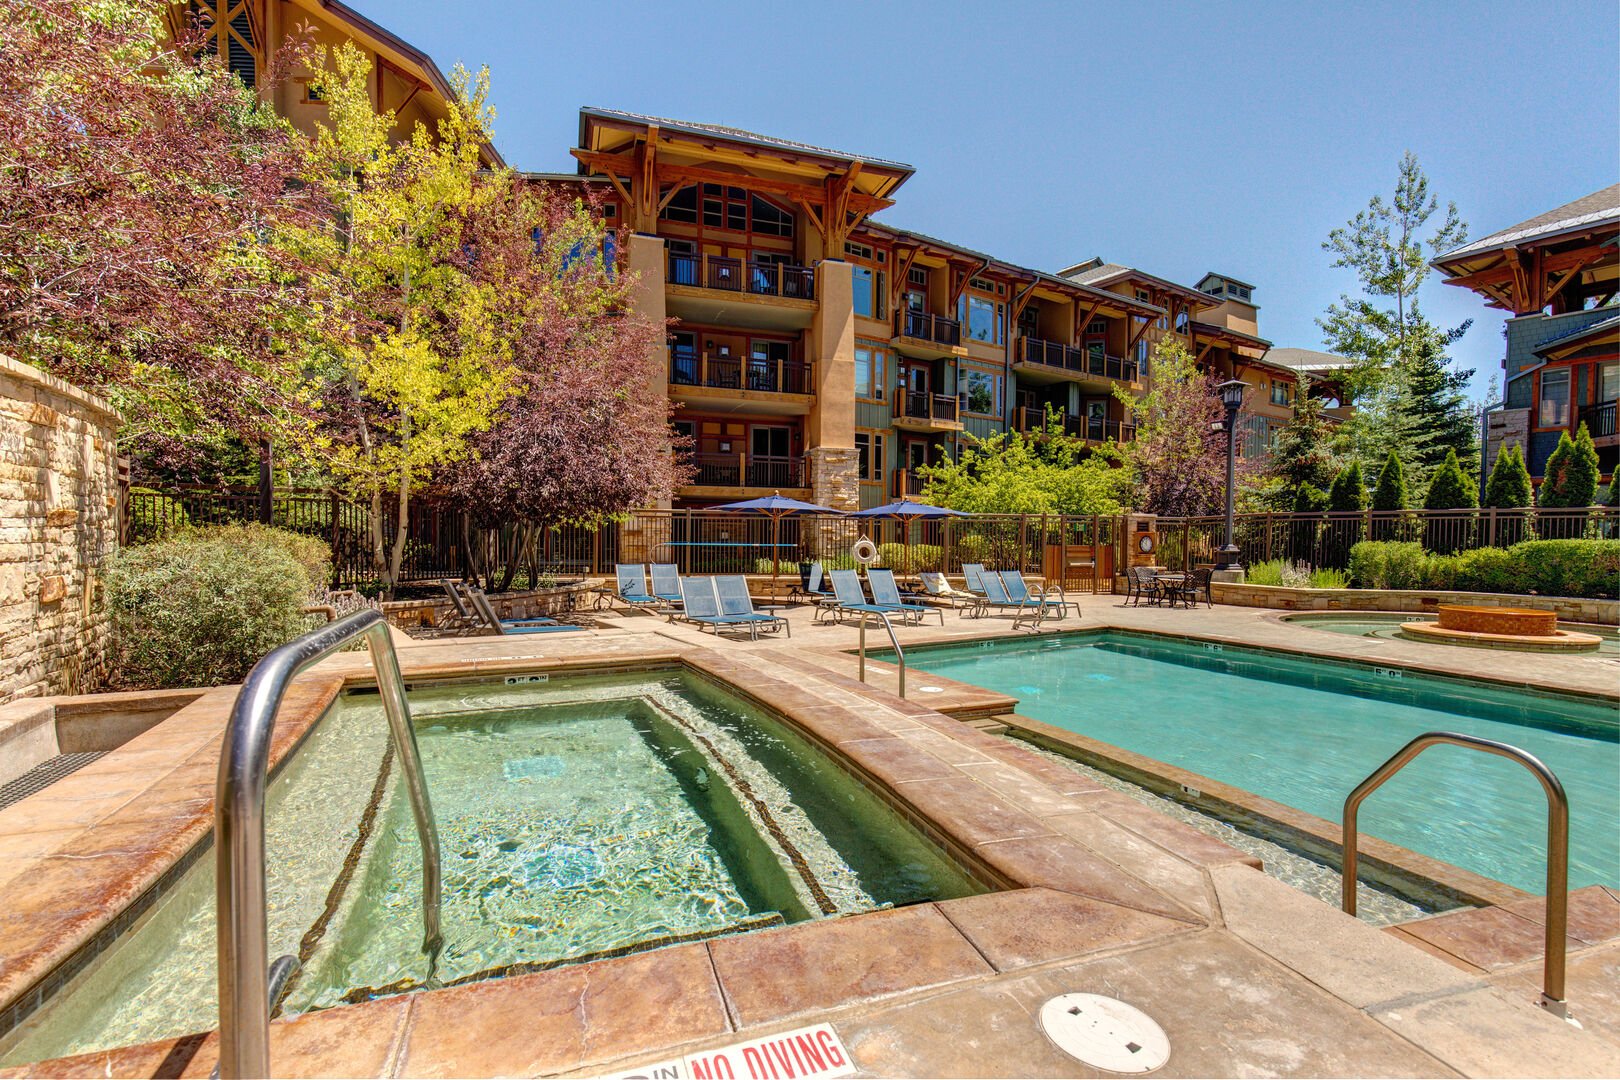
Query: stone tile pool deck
(1246, 975)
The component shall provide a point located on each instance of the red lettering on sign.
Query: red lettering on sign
(811, 1054)
(794, 1050)
(775, 1049)
(759, 1065)
(713, 1067)
(829, 1047)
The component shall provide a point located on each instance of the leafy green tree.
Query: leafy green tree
(1303, 453)
(1614, 489)
(1384, 245)
(1451, 488)
(1046, 472)
(1348, 491)
(1509, 483)
(1390, 494)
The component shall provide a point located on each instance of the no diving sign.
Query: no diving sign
(812, 1053)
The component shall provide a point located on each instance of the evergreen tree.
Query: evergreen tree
(1614, 489)
(1451, 489)
(1432, 413)
(1348, 492)
(1391, 491)
(1303, 454)
(1555, 473)
(1509, 485)
(1584, 471)
(1310, 499)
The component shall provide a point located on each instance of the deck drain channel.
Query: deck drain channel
(43, 775)
(1105, 1033)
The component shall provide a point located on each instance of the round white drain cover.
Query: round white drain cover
(932, 689)
(1105, 1033)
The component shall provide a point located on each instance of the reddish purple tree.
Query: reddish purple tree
(1178, 459)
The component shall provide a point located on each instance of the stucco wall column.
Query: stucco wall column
(829, 435)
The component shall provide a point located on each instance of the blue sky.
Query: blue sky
(1176, 138)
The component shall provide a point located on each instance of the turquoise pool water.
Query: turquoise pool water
(577, 818)
(1305, 732)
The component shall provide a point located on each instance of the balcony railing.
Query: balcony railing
(905, 482)
(916, 405)
(935, 328)
(1088, 361)
(728, 274)
(743, 470)
(1030, 419)
(733, 373)
(1599, 418)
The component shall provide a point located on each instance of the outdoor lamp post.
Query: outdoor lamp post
(1231, 392)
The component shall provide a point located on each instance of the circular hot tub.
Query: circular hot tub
(1500, 627)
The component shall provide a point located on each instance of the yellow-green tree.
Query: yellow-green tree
(413, 347)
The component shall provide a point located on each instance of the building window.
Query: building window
(769, 220)
(1554, 398)
(1098, 327)
(868, 286)
(983, 318)
(1142, 354)
(1237, 292)
(870, 363)
(859, 251)
(1608, 381)
(918, 276)
(683, 206)
(1281, 393)
(869, 455)
(980, 392)
(1181, 321)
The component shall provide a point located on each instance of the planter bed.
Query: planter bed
(1419, 601)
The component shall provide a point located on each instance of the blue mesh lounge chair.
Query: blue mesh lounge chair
(486, 612)
(815, 590)
(735, 603)
(1018, 591)
(849, 597)
(886, 594)
(997, 600)
(666, 583)
(700, 604)
(632, 586)
(973, 576)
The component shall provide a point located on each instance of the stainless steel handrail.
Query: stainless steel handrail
(1552, 983)
(244, 962)
(899, 653)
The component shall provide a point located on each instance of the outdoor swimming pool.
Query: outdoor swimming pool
(578, 818)
(1304, 732)
(1386, 626)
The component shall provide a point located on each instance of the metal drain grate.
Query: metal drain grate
(43, 775)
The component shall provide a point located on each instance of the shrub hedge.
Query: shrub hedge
(1581, 568)
(200, 608)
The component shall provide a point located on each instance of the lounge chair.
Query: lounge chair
(1018, 590)
(666, 583)
(886, 594)
(973, 577)
(814, 590)
(486, 612)
(997, 600)
(850, 597)
(632, 586)
(463, 618)
(736, 603)
(939, 589)
(700, 604)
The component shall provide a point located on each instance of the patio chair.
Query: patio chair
(700, 604)
(886, 594)
(666, 586)
(735, 602)
(486, 613)
(632, 586)
(1194, 587)
(463, 617)
(815, 591)
(973, 577)
(996, 599)
(848, 596)
(1140, 582)
(938, 588)
(1018, 590)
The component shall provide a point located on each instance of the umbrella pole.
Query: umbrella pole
(776, 525)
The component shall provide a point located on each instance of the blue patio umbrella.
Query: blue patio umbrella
(776, 506)
(907, 511)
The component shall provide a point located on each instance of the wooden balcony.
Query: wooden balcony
(734, 384)
(915, 411)
(730, 291)
(917, 333)
(1039, 361)
(742, 475)
(1599, 420)
(905, 484)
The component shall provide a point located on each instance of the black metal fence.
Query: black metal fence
(1325, 539)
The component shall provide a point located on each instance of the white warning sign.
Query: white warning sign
(812, 1053)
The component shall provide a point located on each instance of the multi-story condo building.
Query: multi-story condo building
(1557, 275)
(816, 351)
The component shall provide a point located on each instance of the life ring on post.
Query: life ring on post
(864, 551)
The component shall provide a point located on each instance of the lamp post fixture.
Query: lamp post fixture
(1231, 392)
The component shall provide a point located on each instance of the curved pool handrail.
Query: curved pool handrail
(899, 653)
(244, 961)
(1557, 919)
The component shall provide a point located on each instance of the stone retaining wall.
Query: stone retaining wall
(1572, 609)
(58, 525)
